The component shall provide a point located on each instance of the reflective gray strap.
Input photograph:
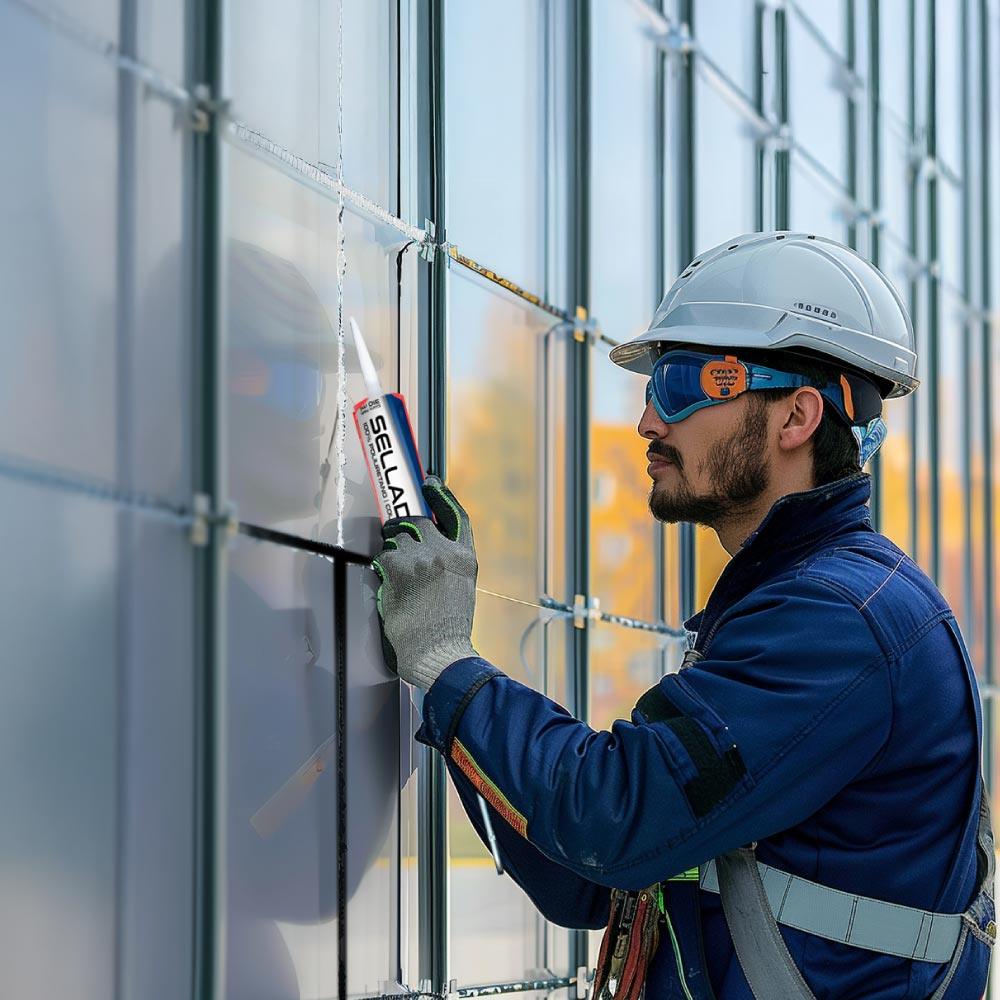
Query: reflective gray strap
(769, 969)
(873, 924)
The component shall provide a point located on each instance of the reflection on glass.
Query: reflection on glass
(922, 470)
(495, 434)
(710, 561)
(623, 531)
(977, 484)
(726, 165)
(829, 17)
(895, 175)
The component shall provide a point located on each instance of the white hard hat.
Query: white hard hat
(790, 291)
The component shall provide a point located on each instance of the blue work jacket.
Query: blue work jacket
(833, 717)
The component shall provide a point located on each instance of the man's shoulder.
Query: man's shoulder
(871, 572)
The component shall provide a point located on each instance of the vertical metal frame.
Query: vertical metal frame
(914, 246)
(987, 102)
(432, 847)
(205, 156)
(578, 376)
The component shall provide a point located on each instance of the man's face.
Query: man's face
(710, 465)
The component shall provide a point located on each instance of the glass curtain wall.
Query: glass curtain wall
(224, 798)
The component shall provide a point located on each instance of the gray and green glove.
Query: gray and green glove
(427, 595)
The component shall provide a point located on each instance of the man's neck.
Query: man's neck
(740, 525)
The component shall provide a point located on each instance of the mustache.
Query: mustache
(663, 450)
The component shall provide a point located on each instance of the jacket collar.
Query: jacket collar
(795, 522)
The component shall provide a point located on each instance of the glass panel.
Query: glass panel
(726, 165)
(282, 352)
(952, 451)
(623, 532)
(727, 33)
(495, 430)
(896, 455)
(814, 207)
(950, 52)
(96, 718)
(283, 78)
(282, 782)
(495, 126)
(624, 664)
(894, 57)
(951, 237)
(895, 175)
(84, 383)
(829, 18)
(623, 194)
(817, 99)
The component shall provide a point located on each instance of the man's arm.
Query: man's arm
(561, 895)
(793, 701)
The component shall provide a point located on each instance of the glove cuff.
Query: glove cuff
(435, 661)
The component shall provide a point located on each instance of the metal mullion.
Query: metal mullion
(432, 846)
(782, 156)
(934, 298)
(913, 206)
(205, 156)
(966, 347)
(578, 396)
(684, 202)
(660, 568)
(875, 231)
(986, 296)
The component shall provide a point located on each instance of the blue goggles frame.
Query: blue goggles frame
(684, 382)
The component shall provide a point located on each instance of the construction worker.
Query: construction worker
(798, 811)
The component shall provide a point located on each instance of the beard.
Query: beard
(738, 472)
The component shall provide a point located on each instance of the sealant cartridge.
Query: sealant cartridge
(388, 443)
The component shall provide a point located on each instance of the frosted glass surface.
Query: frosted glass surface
(96, 350)
(96, 721)
(281, 789)
(283, 79)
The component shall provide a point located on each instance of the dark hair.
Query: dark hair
(835, 450)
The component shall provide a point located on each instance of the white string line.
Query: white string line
(341, 271)
(69, 26)
(256, 141)
(560, 609)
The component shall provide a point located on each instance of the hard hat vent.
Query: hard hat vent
(817, 311)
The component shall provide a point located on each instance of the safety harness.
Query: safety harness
(757, 897)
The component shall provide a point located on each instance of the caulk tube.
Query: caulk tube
(390, 449)
(388, 443)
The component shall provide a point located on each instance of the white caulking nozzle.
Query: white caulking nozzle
(372, 383)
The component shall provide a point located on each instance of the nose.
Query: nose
(651, 424)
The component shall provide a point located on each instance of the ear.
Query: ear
(802, 413)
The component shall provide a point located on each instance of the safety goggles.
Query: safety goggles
(686, 381)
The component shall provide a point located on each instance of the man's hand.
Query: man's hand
(427, 596)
